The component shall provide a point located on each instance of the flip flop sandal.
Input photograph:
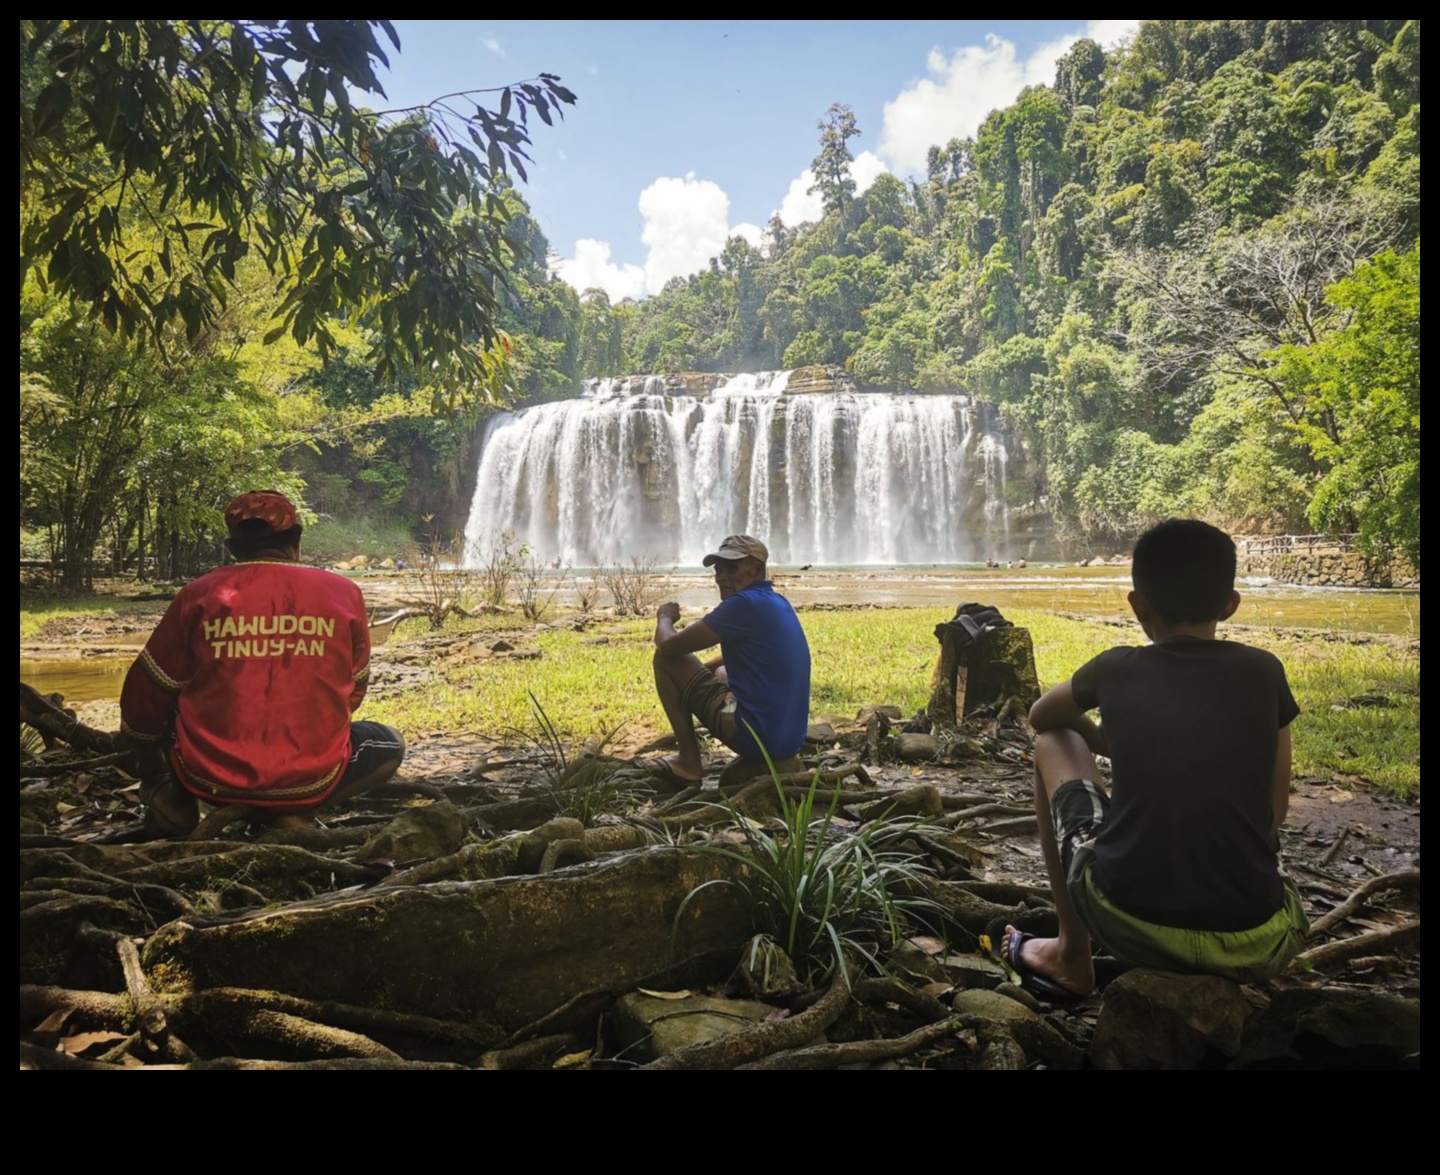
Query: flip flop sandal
(1005, 949)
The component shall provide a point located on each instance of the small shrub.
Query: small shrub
(826, 894)
(498, 562)
(635, 587)
(536, 587)
(584, 786)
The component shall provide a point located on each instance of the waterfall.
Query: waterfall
(631, 468)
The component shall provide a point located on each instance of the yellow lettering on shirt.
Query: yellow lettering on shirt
(272, 627)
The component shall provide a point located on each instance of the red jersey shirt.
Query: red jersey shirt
(258, 666)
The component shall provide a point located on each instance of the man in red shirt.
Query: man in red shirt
(244, 692)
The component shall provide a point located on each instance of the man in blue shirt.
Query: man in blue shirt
(757, 691)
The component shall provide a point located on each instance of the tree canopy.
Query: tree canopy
(156, 155)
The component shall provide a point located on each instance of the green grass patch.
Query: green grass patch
(35, 616)
(887, 656)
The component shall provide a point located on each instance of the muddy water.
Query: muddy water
(85, 679)
(1090, 591)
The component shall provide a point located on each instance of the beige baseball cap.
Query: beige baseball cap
(739, 546)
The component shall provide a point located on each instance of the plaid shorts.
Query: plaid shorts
(710, 700)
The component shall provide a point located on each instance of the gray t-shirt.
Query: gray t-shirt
(1192, 727)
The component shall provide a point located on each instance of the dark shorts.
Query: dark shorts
(1079, 808)
(372, 746)
(710, 700)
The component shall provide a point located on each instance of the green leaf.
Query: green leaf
(51, 106)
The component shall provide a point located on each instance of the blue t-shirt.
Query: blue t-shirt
(767, 660)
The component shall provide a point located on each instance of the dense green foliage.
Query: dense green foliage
(1187, 272)
(214, 141)
(1135, 263)
(232, 276)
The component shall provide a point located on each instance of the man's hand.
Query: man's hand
(670, 612)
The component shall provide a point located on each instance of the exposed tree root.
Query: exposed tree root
(217, 1010)
(54, 723)
(1376, 942)
(903, 995)
(154, 1029)
(329, 1013)
(34, 1057)
(974, 812)
(1407, 879)
(30, 771)
(764, 1039)
(1021, 826)
(575, 1012)
(223, 818)
(256, 864)
(832, 1056)
(320, 840)
(281, 1031)
(529, 1054)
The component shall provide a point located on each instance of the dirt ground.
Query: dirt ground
(1339, 834)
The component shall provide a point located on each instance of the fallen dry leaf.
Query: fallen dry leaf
(77, 1044)
(54, 1022)
(665, 995)
(570, 1060)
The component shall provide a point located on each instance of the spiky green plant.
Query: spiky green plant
(825, 893)
(584, 787)
(31, 744)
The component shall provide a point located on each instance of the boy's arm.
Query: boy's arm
(1281, 800)
(1058, 710)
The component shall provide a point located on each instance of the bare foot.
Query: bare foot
(670, 769)
(1050, 959)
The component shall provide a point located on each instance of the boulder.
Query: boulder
(998, 1016)
(649, 1026)
(819, 379)
(1158, 1020)
(916, 748)
(417, 834)
(1333, 1028)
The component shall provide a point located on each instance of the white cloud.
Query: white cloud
(591, 266)
(687, 222)
(493, 44)
(751, 233)
(800, 205)
(966, 86)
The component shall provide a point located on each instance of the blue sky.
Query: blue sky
(688, 131)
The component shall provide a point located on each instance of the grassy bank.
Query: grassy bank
(887, 656)
(36, 614)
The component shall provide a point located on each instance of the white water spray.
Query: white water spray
(834, 478)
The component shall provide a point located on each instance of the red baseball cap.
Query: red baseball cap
(271, 507)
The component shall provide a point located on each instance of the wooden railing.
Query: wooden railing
(1307, 543)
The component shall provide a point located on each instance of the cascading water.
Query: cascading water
(833, 478)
